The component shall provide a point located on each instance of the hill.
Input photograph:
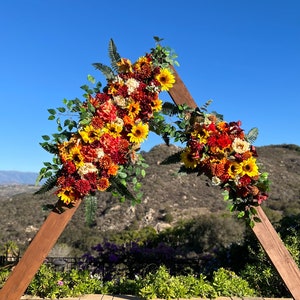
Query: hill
(168, 198)
(17, 177)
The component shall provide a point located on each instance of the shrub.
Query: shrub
(161, 284)
(48, 283)
(228, 284)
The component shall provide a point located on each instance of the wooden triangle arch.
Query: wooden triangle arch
(55, 224)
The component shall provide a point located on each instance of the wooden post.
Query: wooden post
(264, 231)
(36, 253)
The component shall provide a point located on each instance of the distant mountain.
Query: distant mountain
(17, 177)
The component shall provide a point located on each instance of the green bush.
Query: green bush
(48, 283)
(52, 284)
(4, 273)
(162, 285)
(227, 284)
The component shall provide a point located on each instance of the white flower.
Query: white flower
(87, 168)
(215, 180)
(120, 101)
(132, 84)
(240, 146)
(100, 153)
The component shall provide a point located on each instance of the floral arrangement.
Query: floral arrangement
(96, 148)
(224, 153)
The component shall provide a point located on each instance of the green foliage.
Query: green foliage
(252, 135)
(131, 174)
(114, 55)
(48, 283)
(52, 284)
(163, 56)
(228, 284)
(4, 273)
(162, 285)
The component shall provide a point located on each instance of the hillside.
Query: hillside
(17, 178)
(168, 198)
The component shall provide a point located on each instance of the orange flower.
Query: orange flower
(102, 184)
(113, 170)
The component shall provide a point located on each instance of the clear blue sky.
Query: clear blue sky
(242, 54)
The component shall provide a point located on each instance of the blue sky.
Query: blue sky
(242, 54)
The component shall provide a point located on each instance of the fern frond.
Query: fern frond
(121, 189)
(113, 55)
(172, 159)
(205, 105)
(252, 135)
(106, 70)
(48, 185)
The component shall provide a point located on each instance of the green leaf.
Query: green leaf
(252, 135)
(91, 79)
(52, 111)
(121, 189)
(52, 117)
(46, 137)
(61, 109)
(122, 174)
(241, 214)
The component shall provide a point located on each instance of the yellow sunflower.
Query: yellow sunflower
(90, 134)
(188, 160)
(124, 65)
(113, 129)
(133, 109)
(250, 167)
(139, 133)
(234, 169)
(156, 105)
(76, 157)
(67, 195)
(166, 79)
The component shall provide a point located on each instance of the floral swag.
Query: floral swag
(96, 147)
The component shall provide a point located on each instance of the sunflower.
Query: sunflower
(139, 133)
(133, 109)
(124, 65)
(187, 158)
(166, 79)
(234, 169)
(76, 157)
(113, 129)
(156, 105)
(67, 195)
(90, 134)
(250, 167)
